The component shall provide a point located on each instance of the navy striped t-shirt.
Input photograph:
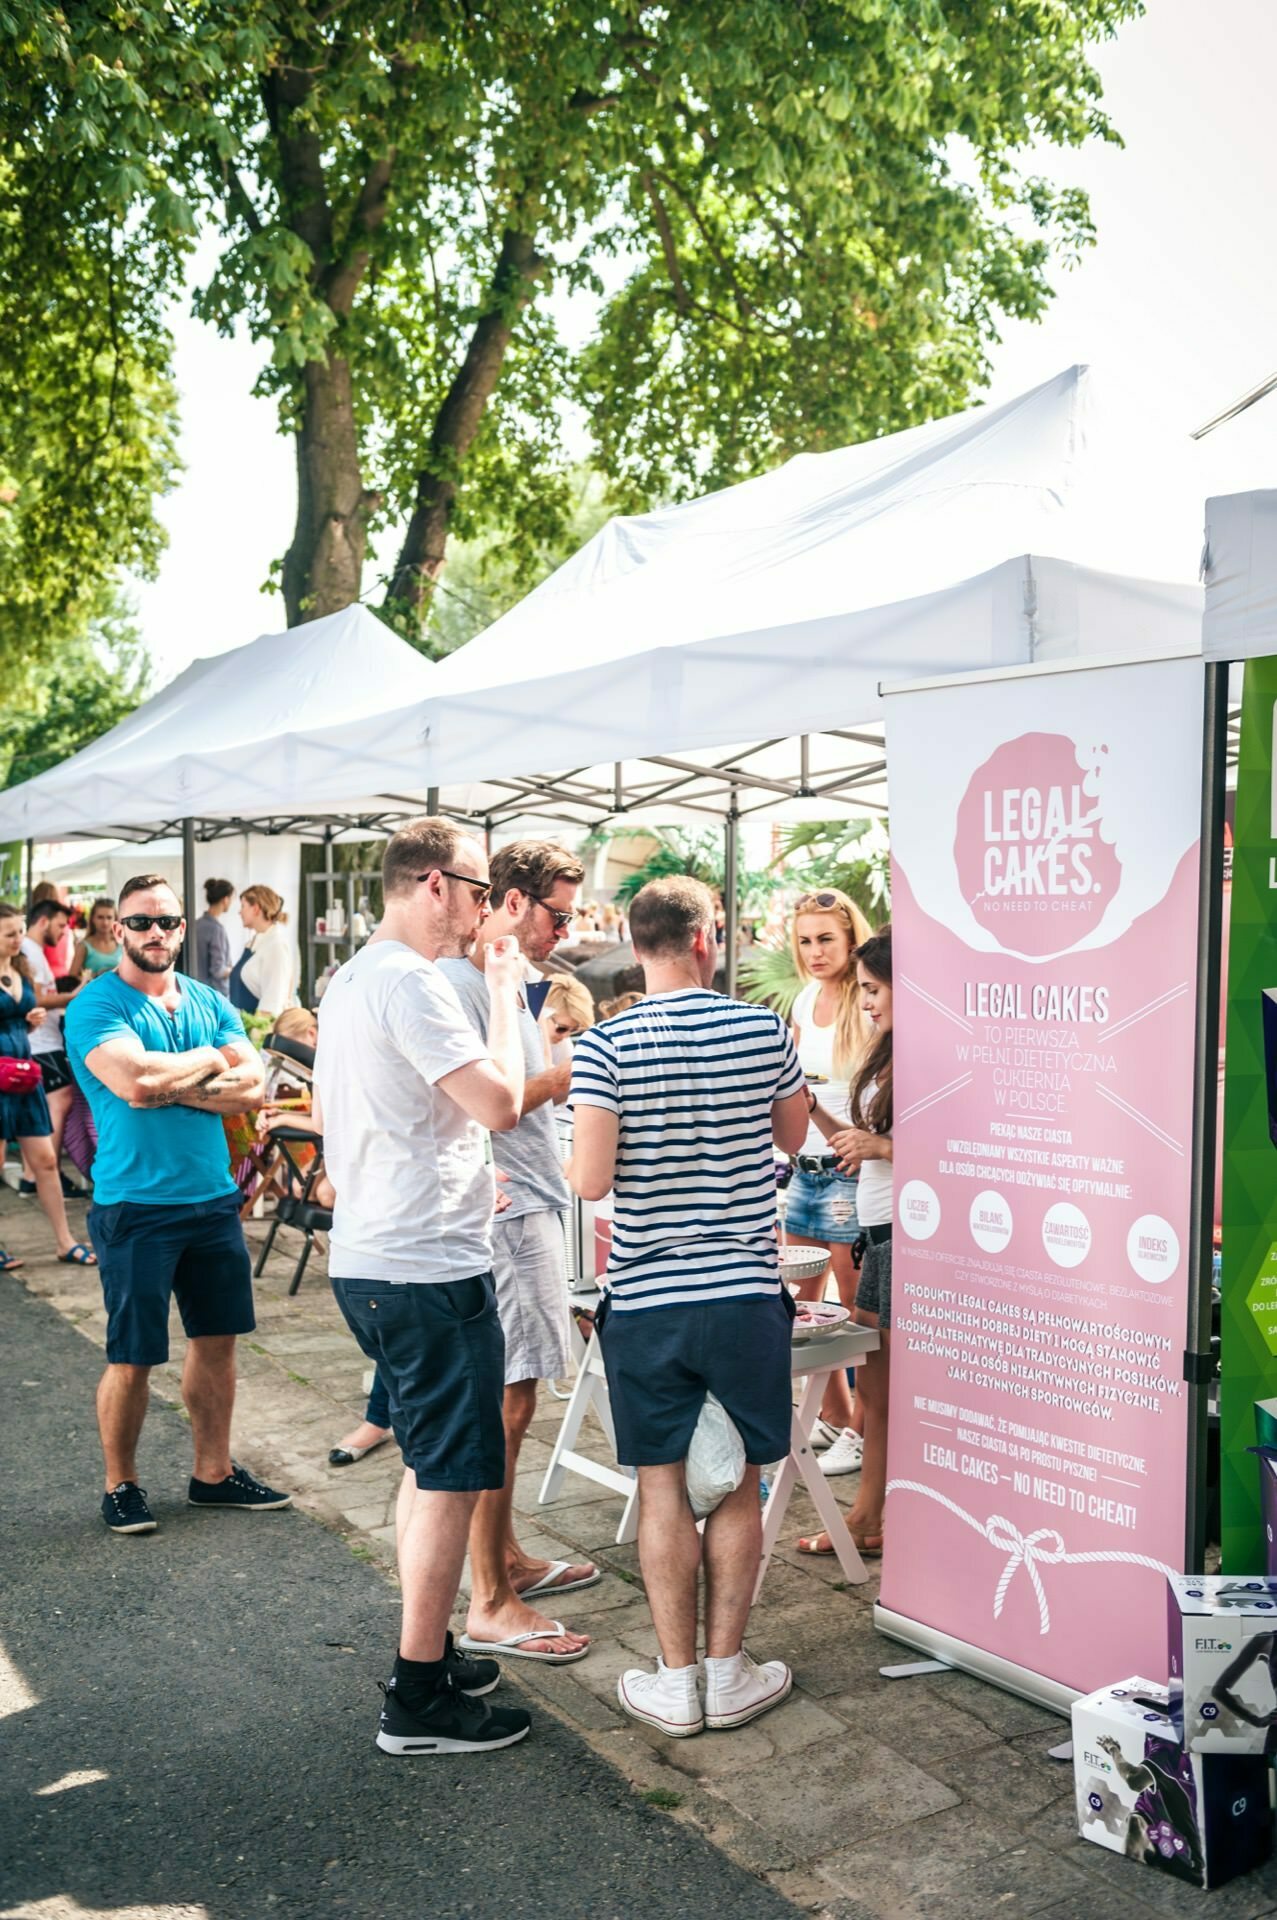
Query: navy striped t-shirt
(692, 1077)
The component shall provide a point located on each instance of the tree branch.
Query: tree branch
(668, 248)
(459, 418)
(341, 281)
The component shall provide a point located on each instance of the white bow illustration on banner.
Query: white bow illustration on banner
(1044, 1548)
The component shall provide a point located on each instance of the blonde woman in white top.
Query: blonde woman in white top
(828, 1028)
(265, 978)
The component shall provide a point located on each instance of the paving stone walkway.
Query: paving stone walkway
(859, 1799)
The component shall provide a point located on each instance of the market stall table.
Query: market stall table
(812, 1360)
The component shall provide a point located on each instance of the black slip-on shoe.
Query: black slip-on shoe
(239, 1492)
(125, 1510)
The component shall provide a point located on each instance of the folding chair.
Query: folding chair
(296, 1208)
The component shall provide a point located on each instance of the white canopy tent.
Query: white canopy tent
(1240, 565)
(688, 663)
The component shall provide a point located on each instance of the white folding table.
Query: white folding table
(812, 1361)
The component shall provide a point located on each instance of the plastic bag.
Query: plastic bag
(715, 1463)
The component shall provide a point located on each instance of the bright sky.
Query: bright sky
(1176, 308)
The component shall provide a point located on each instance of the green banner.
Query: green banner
(1248, 1278)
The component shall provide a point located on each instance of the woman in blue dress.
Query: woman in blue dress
(24, 1113)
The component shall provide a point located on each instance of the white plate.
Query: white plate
(803, 1263)
(833, 1318)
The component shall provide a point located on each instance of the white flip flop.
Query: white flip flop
(548, 1583)
(515, 1648)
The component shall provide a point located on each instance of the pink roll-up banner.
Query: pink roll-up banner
(1045, 829)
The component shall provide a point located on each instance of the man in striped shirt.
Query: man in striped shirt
(677, 1105)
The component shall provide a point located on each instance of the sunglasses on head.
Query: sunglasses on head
(560, 916)
(823, 899)
(139, 922)
(482, 888)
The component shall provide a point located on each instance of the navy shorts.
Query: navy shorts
(146, 1255)
(440, 1350)
(662, 1361)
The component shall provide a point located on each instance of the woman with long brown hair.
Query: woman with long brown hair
(866, 1147)
(820, 1209)
(24, 1110)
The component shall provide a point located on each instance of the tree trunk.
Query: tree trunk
(425, 542)
(323, 567)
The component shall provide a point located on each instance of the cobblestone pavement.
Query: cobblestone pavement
(859, 1799)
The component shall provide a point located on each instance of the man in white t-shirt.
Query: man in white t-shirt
(46, 924)
(405, 1089)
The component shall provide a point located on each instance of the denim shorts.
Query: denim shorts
(147, 1255)
(822, 1206)
(873, 1294)
(662, 1361)
(440, 1353)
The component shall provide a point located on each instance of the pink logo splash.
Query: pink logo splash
(1033, 862)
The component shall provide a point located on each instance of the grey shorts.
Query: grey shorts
(874, 1292)
(529, 1268)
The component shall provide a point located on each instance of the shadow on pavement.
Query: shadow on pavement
(221, 1675)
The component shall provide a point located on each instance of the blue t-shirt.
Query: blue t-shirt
(692, 1078)
(159, 1156)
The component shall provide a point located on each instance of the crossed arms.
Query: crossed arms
(225, 1079)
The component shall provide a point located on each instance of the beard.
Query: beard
(152, 961)
(535, 943)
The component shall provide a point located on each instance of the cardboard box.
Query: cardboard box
(1203, 1818)
(1223, 1660)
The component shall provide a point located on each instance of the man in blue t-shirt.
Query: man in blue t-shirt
(160, 1058)
(677, 1106)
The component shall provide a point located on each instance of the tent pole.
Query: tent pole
(30, 869)
(731, 908)
(1210, 915)
(432, 801)
(188, 895)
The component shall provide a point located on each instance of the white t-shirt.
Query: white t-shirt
(47, 1037)
(816, 1055)
(874, 1202)
(414, 1190)
(271, 970)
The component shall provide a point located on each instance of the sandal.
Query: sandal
(9, 1262)
(867, 1545)
(78, 1256)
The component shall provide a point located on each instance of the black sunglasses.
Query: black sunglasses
(139, 922)
(560, 917)
(825, 899)
(482, 888)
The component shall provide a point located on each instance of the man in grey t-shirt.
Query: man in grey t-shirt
(534, 889)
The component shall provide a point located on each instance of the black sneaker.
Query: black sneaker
(26, 1188)
(125, 1510)
(448, 1722)
(238, 1492)
(473, 1677)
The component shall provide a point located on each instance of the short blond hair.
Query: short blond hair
(266, 900)
(419, 847)
(572, 999)
(666, 916)
(295, 1023)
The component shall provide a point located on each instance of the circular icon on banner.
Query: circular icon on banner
(1210, 1711)
(990, 1221)
(1066, 1234)
(1152, 1247)
(919, 1209)
(1096, 1802)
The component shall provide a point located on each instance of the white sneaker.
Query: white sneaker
(737, 1690)
(667, 1699)
(823, 1434)
(846, 1454)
